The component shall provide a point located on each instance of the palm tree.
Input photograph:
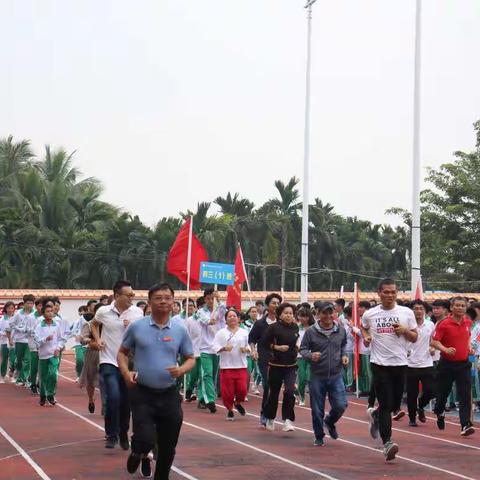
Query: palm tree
(235, 206)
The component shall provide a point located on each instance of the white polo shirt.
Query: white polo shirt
(113, 329)
(419, 352)
(387, 348)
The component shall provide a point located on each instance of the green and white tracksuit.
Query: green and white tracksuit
(3, 346)
(32, 324)
(303, 370)
(209, 360)
(48, 354)
(18, 328)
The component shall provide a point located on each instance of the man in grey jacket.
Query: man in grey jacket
(324, 346)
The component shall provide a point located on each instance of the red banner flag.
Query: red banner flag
(419, 290)
(234, 292)
(177, 260)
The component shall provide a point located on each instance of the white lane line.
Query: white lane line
(427, 465)
(261, 450)
(25, 455)
(93, 424)
(445, 440)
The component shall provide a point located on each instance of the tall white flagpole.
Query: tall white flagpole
(306, 162)
(187, 300)
(415, 272)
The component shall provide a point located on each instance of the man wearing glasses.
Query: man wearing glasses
(108, 327)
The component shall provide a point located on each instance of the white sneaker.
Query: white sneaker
(370, 411)
(256, 391)
(288, 426)
(2, 380)
(270, 425)
(301, 403)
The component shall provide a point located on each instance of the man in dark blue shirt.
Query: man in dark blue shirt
(155, 343)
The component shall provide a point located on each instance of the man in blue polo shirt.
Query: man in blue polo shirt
(156, 343)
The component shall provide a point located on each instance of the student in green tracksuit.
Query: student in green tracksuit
(50, 342)
(18, 327)
(32, 323)
(8, 311)
(304, 320)
(211, 320)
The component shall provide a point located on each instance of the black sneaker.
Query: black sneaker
(188, 396)
(42, 401)
(421, 415)
(146, 467)
(467, 430)
(374, 427)
(201, 405)
(230, 416)
(212, 407)
(91, 407)
(240, 409)
(390, 449)
(453, 407)
(34, 389)
(133, 462)
(412, 423)
(441, 422)
(398, 415)
(332, 430)
(124, 443)
(51, 400)
(318, 442)
(110, 442)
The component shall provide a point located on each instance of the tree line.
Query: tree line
(56, 232)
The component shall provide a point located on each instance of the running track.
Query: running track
(66, 443)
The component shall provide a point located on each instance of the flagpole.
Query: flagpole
(306, 162)
(250, 297)
(187, 300)
(415, 268)
(356, 345)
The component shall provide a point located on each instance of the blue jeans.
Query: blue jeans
(319, 388)
(117, 405)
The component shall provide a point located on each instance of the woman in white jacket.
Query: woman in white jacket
(231, 343)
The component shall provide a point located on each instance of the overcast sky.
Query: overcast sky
(172, 102)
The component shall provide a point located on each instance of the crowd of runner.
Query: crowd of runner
(145, 358)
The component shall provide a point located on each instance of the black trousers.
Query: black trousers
(263, 367)
(458, 372)
(415, 376)
(389, 383)
(157, 416)
(276, 377)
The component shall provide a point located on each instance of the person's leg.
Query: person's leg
(338, 400)
(384, 389)
(216, 375)
(193, 376)
(143, 426)
(412, 392)
(4, 360)
(43, 371)
(463, 382)
(398, 382)
(53, 364)
(444, 380)
(227, 387)
(288, 405)
(208, 393)
(275, 380)
(26, 363)
(428, 387)
(241, 384)
(250, 366)
(19, 356)
(12, 361)
(33, 370)
(372, 396)
(79, 357)
(112, 400)
(168, 425)
(123, 408)
(317, 402)
(263, 369)
(302, 377)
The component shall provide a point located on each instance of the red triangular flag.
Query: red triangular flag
(177, 260)
(419, 290)
(234, 292)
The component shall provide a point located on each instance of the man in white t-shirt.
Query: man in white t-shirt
(420, 366)
(113, 320)
(388, 328)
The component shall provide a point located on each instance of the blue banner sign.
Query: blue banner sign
(219, 273)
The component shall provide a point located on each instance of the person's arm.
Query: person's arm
(219, 343)
(409, 331)
(446, 350)
(186, 351)
(305, 351)
(343, 353)
(95, 330)
(128, 345)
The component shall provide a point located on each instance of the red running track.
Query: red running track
(65, 443)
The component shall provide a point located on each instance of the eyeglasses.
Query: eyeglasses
(129, 295)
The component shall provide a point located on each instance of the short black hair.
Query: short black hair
(103, 297)
(38, 301)
(208, 291)
(91, 301)
(56, 300)
(28, 297)
(458, 298)
(232, 309)
(472, 313)
(306, 312)
(385, 281)
(97, 306)
(141, 303)
(348, 310)
(200, 302)
(365, 304)
(119, 284)
(341, 302)
(283, 306)
(190, 300)
(441, 303)
(45, 306)
(177, 303)
(8, 304)
(82, 308)
(419, 302)
(271, 296)
(160, 286)
(259, 302)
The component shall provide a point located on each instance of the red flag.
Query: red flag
(419, 290)
(177, 260)
(234, 292)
